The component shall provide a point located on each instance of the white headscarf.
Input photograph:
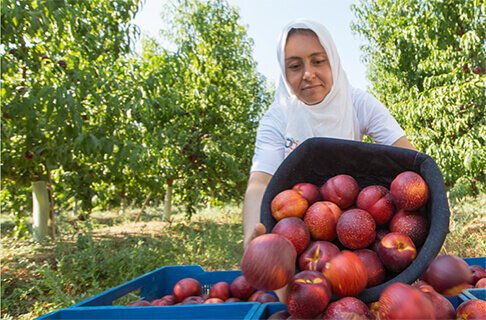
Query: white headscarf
(333, 117)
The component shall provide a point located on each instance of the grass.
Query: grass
(92, 257)
(110, 249)
(467, 229)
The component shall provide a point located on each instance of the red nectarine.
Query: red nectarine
(378, 202)
(402, 301)
(448, 275)
(346, 273)
(321, 219)
(308, 295)
(409, 191)
(288, 203)
(341, 189)
(268, 262)
(356, 229)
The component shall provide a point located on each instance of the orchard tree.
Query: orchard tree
(427, 63)
(64, 99)
(202, 103)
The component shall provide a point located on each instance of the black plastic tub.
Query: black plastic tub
(318, 159)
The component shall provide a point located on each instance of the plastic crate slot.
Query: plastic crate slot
(128, 298)
(205, 288)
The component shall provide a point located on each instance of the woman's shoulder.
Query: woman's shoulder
(364, 101)
(275, 113)
(361, 97)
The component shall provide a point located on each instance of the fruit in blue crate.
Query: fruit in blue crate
(160, 302)
(193, 300)
(169, 298)
(280, 315)
(140, 303)
(347, 308)
(185, 288)
(309, 293)
(262, 297)
(402, 301)
(233, 299)
(265, 297)
(471, 310)
(213, 301)
(166, 300)
(409, 191)
(220, 290)
(268, 262)
(241, 288)
(478, 273)
(397, 251)
(448, 275)
(481, 283)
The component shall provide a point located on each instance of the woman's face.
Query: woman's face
(307, 67)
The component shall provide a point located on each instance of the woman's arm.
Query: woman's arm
(251, 206)
(403, 143)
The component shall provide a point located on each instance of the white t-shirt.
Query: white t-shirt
(371, 118)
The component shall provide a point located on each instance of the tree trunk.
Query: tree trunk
(75, 207)
(144, 205)
(133, 203)
(51, 224)
(123, 201)
(168, 201)
(41, 209)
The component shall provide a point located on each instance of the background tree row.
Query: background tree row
(105, 126)
(426, 61)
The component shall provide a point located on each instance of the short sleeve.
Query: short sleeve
(375, 120)
(270, 143)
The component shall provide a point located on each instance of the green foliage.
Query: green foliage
(105, 126)
(62, 94)
(427, 63)
(202, 102)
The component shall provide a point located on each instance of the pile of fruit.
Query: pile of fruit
(336, 240)
(191, 291)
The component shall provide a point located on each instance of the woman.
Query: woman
(313, 99)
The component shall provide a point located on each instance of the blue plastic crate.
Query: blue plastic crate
(266, 310)
(160, 282)
(475, 293)
(233, 311)
(480, 261)
(457, 300)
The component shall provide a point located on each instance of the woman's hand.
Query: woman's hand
(257, 231)
(251, 207)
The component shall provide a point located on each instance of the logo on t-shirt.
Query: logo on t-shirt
(290, 145)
